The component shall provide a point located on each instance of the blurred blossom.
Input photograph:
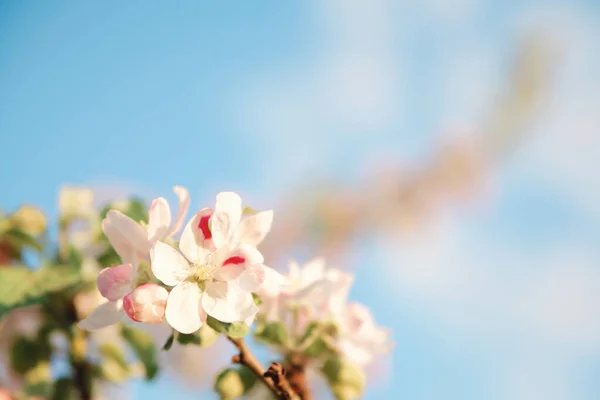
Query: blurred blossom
(21, 322)
(75, 202)
(30, 220)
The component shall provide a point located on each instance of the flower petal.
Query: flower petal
(227, 303)
(184, 205)
(125, 234)
(168, 264)
(159, 219)
(273, 283)
(226, 218)
(312, 271)
(253, 229)
(105, 314)
(115, 282)
(236, 262)
(146, 303)
(184, 312)
(252, 278)
(196, 239)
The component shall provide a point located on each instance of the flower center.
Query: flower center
(204, 272)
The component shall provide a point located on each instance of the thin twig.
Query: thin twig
(274, 377)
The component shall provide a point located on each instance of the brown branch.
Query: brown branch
(80, 368)
(274, 377)
(296, 376)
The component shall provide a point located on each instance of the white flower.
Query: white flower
(219, 268)
(319, 291)
(131, 240)
(360, 339)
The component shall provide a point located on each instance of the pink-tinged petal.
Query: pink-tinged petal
(235, 262)
(252, 278)
(312, 271)
(126, 230)
(184, 205)
(226, 218)
(104, 315)
(273, 283)
(341, 283)
(196, 240)
(184, 312)
(168, 264)
(227, 303)
(159, 219)
(250, 320)
(146, 303)
(253, 229)
(360, 355)
(119, 242)
(115, 282)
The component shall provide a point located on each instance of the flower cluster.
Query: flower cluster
(313, 294)
(213, 270)
(213, 280)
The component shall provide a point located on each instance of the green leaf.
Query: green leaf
(64, 389)
(136, 210)
(20, 286)
(246, 211)
(237, 330)
(234, 382)
(111, 351)
(273, 333)
(257, 300)
(19, 239)
(24, 355)
(169, 343)
(204, 337)
(346, 380)
(143, 345)
(218, 326)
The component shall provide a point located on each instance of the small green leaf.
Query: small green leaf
(346, 380)
(218, 326)
(237, 330)
(169, 342)
(233, 383)
(257, 300)
(19, 239)
(273, 333)
(204, 337)
(110, 351)
(188, 338)
(246, 211)
(143, 345)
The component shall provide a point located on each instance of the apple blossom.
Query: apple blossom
(145, 303)
(218, 267)
(360, 339)
(131, 240)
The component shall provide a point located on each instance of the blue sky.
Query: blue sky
(498, 301)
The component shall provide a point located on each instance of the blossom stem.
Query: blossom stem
(296, 375)
(274, 377)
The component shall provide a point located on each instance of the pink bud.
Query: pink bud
(146, 303)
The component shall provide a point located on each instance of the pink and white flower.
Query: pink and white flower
(131, 240)
(360, 339)
(218, 267)
(145, 303)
